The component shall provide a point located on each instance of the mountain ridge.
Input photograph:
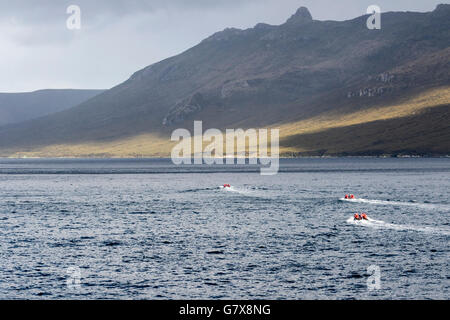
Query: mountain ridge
(17, 107)
(259, 77)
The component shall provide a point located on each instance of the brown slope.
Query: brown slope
(409, 135)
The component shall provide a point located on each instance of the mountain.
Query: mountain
(332, 87)
(18, 107)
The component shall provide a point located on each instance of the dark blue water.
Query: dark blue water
(145, 229)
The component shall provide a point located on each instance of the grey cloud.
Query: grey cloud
(42, 22)
(48, 11)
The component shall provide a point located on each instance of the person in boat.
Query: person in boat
(346, 196)
(357, 216)
(364, 216)
(352, 196)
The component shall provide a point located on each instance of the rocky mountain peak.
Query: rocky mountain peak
(442, 9)
(302, 16)
(442, 6)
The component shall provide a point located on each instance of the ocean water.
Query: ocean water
(145, 229)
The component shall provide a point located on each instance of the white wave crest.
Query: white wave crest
(242, 191)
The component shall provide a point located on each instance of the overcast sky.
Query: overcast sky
(119, 37)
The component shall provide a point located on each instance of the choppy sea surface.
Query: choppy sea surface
(146, 229)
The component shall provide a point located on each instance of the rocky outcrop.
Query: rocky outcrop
(385, 77)
(368, 92)
(302, 16)
(374, 91)
(184, 108)
(235, 87)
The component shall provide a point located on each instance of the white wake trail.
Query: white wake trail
(379, 224)
(398, 203)
(242, 191)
